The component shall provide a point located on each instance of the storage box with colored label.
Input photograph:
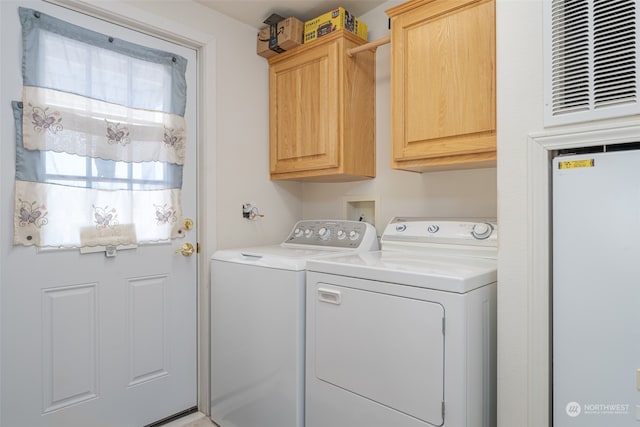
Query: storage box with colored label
(280, 37)
(337, 19)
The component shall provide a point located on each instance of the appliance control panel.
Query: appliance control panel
(335, 234)
(474, 232)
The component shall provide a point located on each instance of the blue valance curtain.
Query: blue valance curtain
(100, 138)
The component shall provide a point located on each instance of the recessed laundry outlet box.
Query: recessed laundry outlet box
(361, 208)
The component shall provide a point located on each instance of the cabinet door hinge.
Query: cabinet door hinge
(443, 410)
(198, 247)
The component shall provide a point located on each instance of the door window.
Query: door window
(100, 138)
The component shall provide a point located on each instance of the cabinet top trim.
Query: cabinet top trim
(413, 4)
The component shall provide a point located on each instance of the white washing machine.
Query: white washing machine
(258, 322)
(405, 336)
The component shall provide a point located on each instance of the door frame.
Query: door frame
(540, 150)
(128, 16)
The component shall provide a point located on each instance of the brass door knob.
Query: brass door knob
(186, 250)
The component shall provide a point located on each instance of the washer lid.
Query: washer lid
(274, 256)
(458, 274)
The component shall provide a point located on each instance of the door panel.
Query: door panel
(69, 352)
(449, 54)
(385, 348)
(90, 340)
(596, 351)
(443, 85)
(304, 108)
(147, 331)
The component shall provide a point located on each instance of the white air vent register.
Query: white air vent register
(591, 60)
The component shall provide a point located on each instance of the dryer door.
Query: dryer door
(384, 348)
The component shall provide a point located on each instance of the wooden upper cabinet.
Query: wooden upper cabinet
(322, 111)
(443, 97)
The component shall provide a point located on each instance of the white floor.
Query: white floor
(194, 420)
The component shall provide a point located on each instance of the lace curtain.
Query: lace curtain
(100, 138)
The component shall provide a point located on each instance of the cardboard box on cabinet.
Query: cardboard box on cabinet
(280, 37)
(334, 20)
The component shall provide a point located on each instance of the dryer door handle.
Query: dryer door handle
(329, 296)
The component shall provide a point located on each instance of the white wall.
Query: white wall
(241, 156)
(445, 194)
(243, 147)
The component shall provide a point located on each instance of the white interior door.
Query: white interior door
(90, 340)
(595, 289)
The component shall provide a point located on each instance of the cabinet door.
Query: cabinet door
(304, 117)
(444, 80)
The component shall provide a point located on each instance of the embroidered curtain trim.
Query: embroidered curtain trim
(44, 216)
(74, 124)
(29, 167)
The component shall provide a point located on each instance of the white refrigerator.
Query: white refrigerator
(596, 289)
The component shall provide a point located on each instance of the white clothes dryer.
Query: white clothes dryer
(405, 336)
(258, 322)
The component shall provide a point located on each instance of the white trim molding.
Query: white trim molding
(126, 15)
(541, 148)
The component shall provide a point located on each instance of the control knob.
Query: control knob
(433, 228)
(482, 230)
(297, 232)
(341, 235)
(324, 233)
(354, 235)
(308, 233)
